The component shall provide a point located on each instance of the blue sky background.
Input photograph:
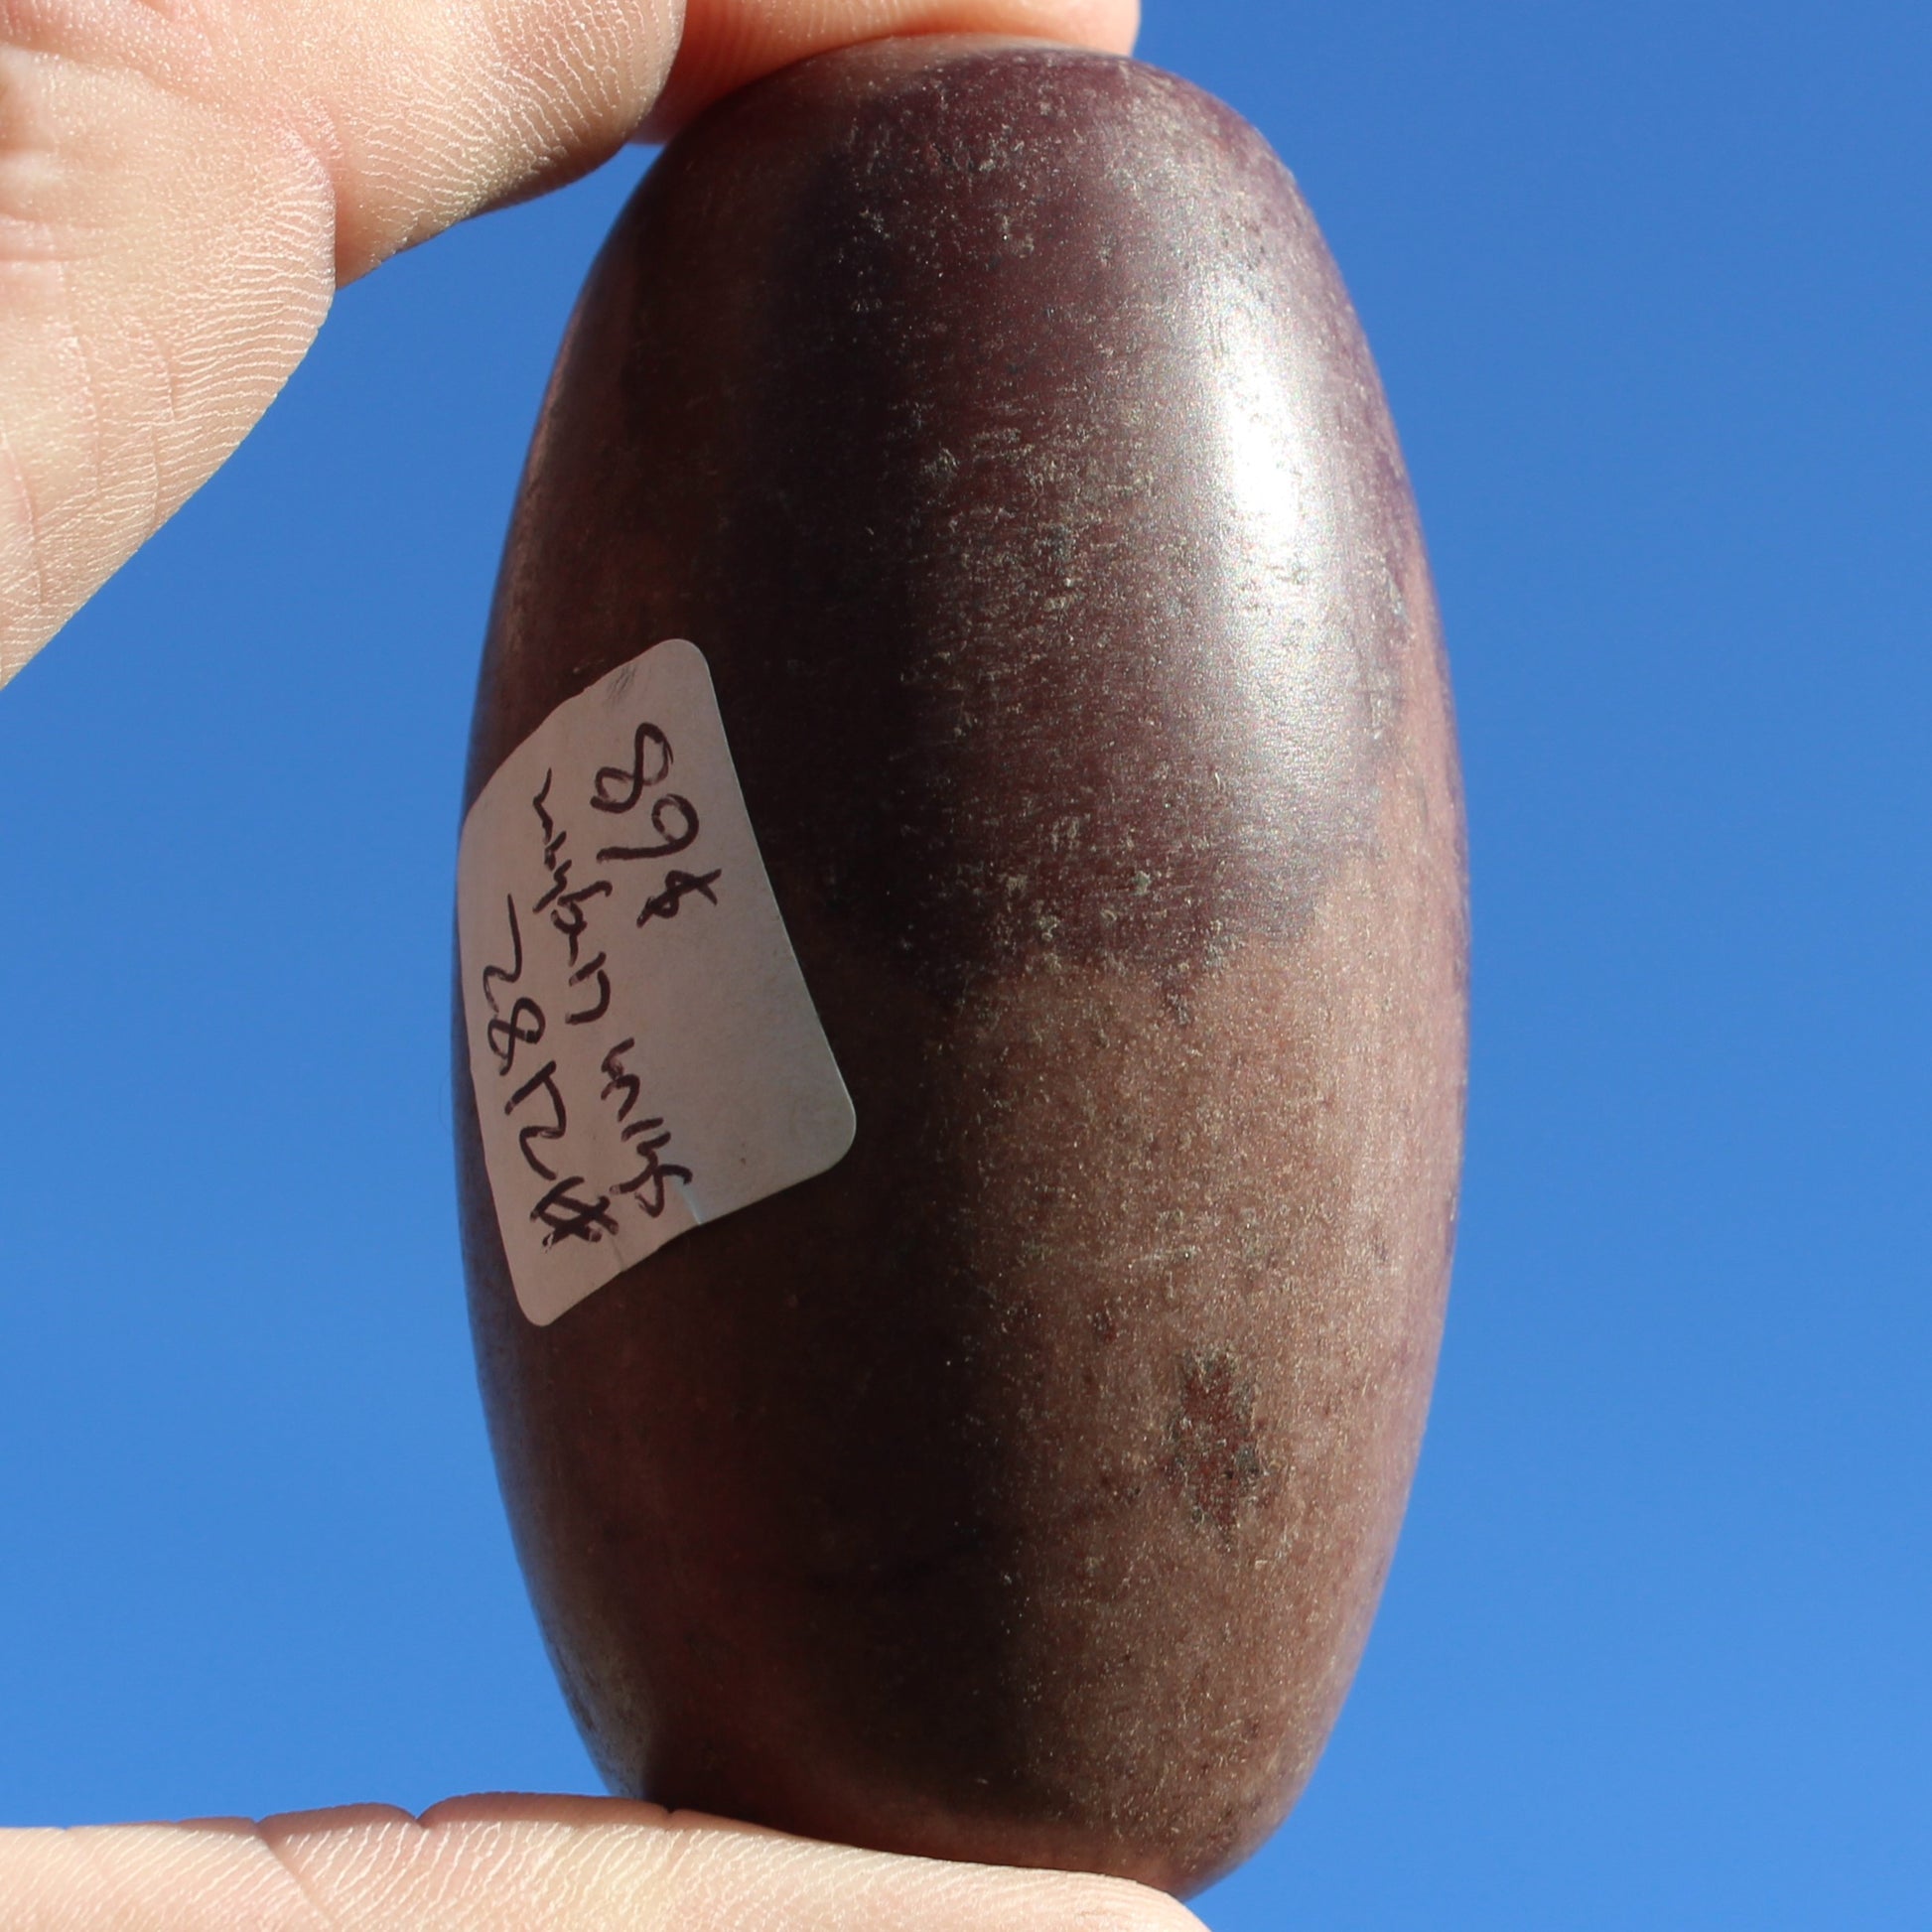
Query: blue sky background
(1649, 287)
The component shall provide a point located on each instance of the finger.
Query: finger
(726, 44)
(533, 1865)
(184, 185)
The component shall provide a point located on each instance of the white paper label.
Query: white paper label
(644, 1051)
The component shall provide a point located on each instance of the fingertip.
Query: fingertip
(333, 1818)
(726, 44)
(543, 1808)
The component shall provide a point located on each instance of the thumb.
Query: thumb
(529, 1864)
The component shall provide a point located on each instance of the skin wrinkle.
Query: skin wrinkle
(323, 1916)
(149, 497)
(179, 1863)
(23, 513)
(74, 355)
(600, 1862)
(153, 395)
(374, 1888)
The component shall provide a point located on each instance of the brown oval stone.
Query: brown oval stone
(1021, 1489)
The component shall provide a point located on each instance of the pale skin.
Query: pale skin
(184, 185)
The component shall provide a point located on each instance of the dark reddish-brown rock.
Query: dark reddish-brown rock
(1021, 1489)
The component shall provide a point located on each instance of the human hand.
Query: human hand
(184, 183)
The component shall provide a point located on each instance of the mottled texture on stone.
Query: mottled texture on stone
(994, 419)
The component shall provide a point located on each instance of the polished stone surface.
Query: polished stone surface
(995, 420)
